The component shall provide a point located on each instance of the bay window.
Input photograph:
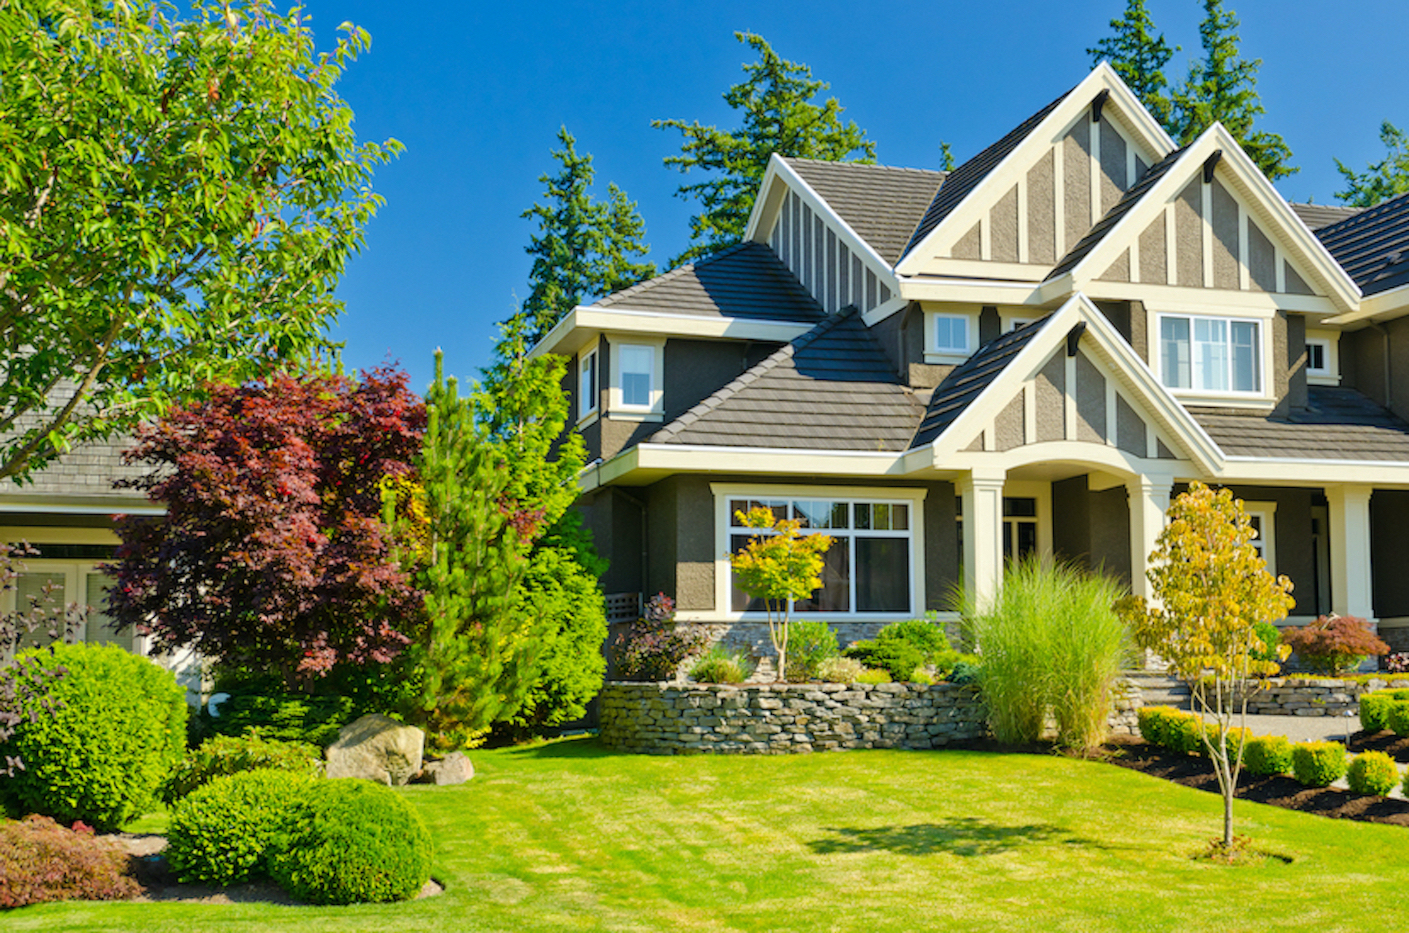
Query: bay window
(1210, 354)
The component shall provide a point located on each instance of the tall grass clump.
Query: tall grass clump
(1051, 644)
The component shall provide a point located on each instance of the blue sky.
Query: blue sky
(477, 91)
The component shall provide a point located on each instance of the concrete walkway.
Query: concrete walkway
(1304, 728)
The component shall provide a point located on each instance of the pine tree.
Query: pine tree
(1139, 55)
(1222, 87)
(778, 116)
(582, 247)
(946, 157)
(1382, 180)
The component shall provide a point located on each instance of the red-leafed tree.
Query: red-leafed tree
(272, 552)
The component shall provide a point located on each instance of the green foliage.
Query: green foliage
(1333, 644)
(1375, 708)
(350, 841)
(583, 247)
(278, 714)
(778, 115)
(965, 671)
(1397, 717)
(1222, 87)
(719, 665)
(1138, 53)
(222, 755)
(1318, 764)
(97, 742)
(898, 658)
(1236, 739)
(654, 646)
(1049, 642)
(1150, 720)
(811, 643)
(1267, 755)
(840, 670)
(222, 833)
(1382, 180)
(178, 198)
(873, 676)
(1271, 638)
(41, 861)
(1372, 773)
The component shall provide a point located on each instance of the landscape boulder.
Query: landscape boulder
(454, 768)
(377, 748)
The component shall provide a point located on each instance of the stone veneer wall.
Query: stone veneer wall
(685, 719)
(1304, 696)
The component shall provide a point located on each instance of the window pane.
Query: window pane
(779, 508)
(1210, 368)
(587, 387)
(1015, 507)
(882, 574)
(100, 630)
(29, 589)
(900, 518)
(1174, 352)
(1245, 368)
(820, 513)
(951, 333)
(1316, 357)
(739, 601)
(637, 369)
(835, 594)
(862, 516)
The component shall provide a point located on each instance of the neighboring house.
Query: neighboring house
(1030, 354)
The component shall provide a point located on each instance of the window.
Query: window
(951, 333)
(637, 374)
(70, 573)
(867, 568)
(1019, 527)
(1318, 357)
(1261, 516)
(1209, 354)
(586, 384)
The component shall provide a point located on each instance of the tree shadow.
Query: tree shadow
(585, 746)
(965, 836)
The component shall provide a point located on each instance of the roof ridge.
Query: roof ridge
(1366, 214)
(752, 374)
(892, 168)
(678, 271)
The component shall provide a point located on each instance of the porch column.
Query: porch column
(982, 494)
(1349, 518)
(1149, 500)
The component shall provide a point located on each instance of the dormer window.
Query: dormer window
(1210, 355)
(638, 367)
(948, 337)
(637, 374)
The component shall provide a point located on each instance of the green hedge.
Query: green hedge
(223, 832)
(1266, 755)
(1318, 764)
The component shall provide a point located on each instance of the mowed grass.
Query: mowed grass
(568, 836)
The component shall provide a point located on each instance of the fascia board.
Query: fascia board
(1077, 101)
(1385, 305)
(590, 320)
(694, 458)
(884, 310)
(55, 503)
(770, 176)
(1298, 471)
(975, 291)
(550, 341)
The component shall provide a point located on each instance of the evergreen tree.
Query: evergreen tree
(1222, 87)
(582, 247)
(778, 116)
(1382, 180)
(946, 157)
(1139, 55)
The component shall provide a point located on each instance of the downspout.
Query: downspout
(645, 543)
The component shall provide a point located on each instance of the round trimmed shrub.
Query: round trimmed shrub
(221, 833)
(100, 739)
(1266, 755)
(1152, 721)
(1372, 773)
(225, 754)
(350, 841)
(1318, 764)
(1397, 717)
(1374, 711)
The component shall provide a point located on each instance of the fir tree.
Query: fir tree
(1222, 87)
(1382, 180)
(1139, 55)
(946, 157)
(779, 116)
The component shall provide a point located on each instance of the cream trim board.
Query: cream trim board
(588, 396)
(616, 407)
(583, 325)
(39, 534)
(884, 310)
(910, 496)
(1266, 542)
(934, 352)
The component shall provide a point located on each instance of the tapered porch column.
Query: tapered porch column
(982, 494)
(1349, 518)
(1149, 500)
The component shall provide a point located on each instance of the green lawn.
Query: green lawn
(567, 836)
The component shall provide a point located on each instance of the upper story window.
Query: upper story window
(1322, 357)
(587, 383)
(636, 378)
(1210, 354)
(638, 367)
(949, 336)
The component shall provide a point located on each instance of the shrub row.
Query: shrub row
(1385, 709)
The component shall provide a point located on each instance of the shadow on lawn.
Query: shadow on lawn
(581, 746)
(965, 836)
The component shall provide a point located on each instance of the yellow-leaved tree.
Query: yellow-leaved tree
(1212, 588)
(778, 568)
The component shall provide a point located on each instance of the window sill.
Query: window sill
(587, 420)
(1322, 379)
(628, 414)
(946, 358)
(1254, 402)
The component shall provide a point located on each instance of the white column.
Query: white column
(1349, 518)
(982, 494)
(1149, 500)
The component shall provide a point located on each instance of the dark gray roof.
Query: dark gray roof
(1373, 245)
(1317, 216)
(966, 177)
(969, 379)
(832, 389)
(1339, 424)
(744, 281)
(882, 204)
(1122, 207)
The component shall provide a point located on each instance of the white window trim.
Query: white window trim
(1331, 374)
(723, 492)
(935, 355)
(586, 414)
(75, 591)
(616, 409)
(1266, 513)
(1265, 354)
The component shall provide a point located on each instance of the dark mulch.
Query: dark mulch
(1195, 772)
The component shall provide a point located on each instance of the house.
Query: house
(1031, 353)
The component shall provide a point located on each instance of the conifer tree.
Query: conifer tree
(1382, 180)
(779, 116)
(1222, 87)
(1139, 55)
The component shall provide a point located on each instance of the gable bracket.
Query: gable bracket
(1099, 103)
(1074, 337)
(1212, 163)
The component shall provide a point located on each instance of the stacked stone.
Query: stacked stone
(1301, 696)
(682, 719)
(1125, 718)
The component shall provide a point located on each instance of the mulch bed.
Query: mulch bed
(1191, 771)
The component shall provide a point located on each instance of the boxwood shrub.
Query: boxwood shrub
(1375, 707)
(102, 738)
(1372, 773)
(224, 754)
(1318, 764)
(222, 832)
(351, 841)
(1267, 755)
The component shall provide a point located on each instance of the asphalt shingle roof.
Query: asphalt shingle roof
(966, 177)
(1317, 216)
(743, 281)
(1339, 424)
(1373, 245)
(881, 203)
(969, 379)
(831, 389)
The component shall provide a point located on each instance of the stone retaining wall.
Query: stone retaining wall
(1302, 696)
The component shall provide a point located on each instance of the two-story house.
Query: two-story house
(1031, 353)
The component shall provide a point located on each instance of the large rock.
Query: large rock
(454, 768)
(377, 748)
